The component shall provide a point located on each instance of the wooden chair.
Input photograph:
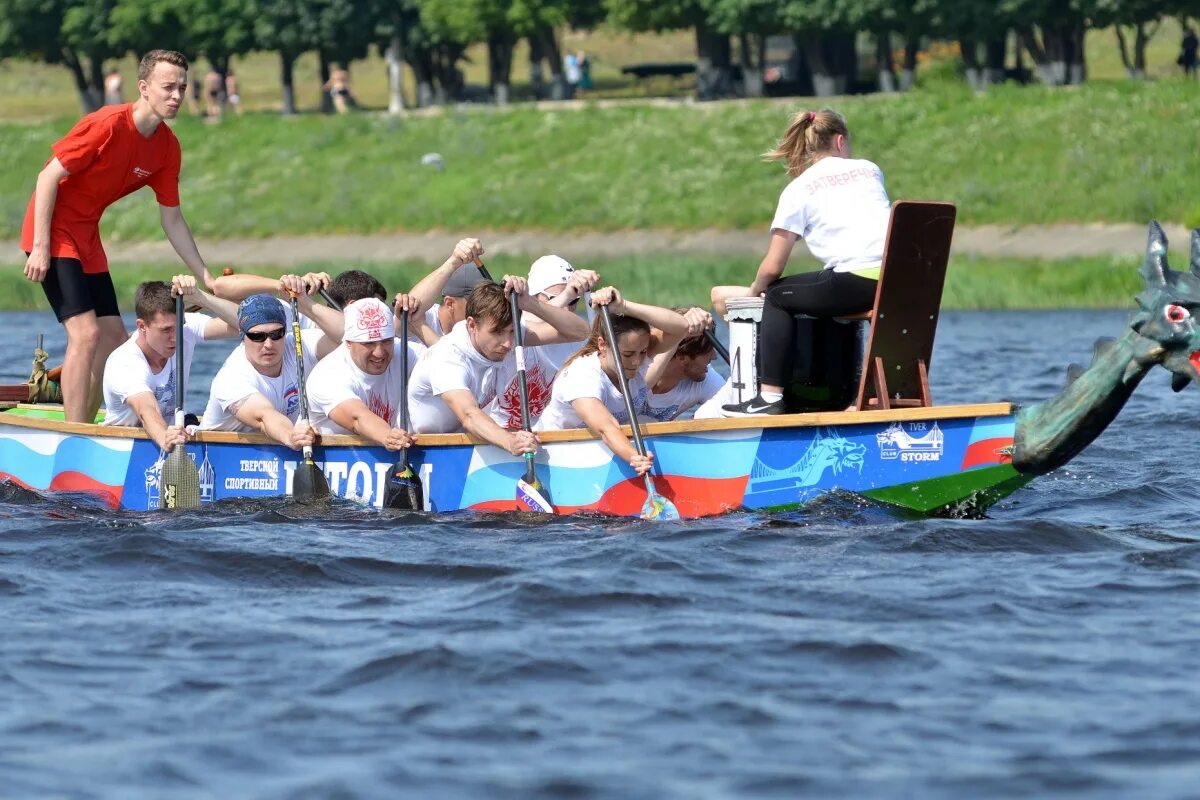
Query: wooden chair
(908, 298)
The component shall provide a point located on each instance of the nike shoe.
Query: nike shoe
(754, 407)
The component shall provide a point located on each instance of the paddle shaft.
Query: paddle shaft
(722, 351)
(404, 369)
(522, 381)
(483, 270)
(308, 451)
(179, 323)
(606, 318)
(334, 304)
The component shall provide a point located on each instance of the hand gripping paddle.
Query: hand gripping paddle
(308, 482)
(179, 483)
(656, 506)
(402, 488)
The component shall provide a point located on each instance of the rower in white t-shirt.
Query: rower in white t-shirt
(686, 380)
(139, 376)
(257, 387)
(452, 282)
(587, 390)
(357, 388)
(555, 282)
(458, 377)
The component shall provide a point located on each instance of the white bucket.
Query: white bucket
(744, 315)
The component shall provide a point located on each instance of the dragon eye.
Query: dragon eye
(1177, 314)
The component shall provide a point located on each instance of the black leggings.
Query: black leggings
(816, 294)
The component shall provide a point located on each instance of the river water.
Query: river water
(1050, 650)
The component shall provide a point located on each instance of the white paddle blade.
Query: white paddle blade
(531, 498)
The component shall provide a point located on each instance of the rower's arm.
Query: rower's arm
(180, 236)
(45, 195)
(239, 287)
(329, 320)
(474, 421)
(429, 289)
(775, 261)
(353, 415)
(259, 412)
(562, 324)
(602, 423)
(146, 407)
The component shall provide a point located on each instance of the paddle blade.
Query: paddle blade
(308, 483)
(656, 506)
(403, 490)
(179, 486)
(533, 496)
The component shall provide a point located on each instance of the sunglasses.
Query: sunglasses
(262, 336)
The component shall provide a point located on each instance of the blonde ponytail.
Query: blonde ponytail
(809, 135)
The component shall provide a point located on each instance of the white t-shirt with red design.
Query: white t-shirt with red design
(584, 377)
(451, 364)
(542, 364)
(337, 379)
(683, 396)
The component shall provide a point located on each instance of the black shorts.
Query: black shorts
(72, 292)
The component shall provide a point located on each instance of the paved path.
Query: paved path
(996, 241)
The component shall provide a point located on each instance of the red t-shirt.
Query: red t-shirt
(108, 158)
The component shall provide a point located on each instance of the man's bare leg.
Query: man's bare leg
(112, 336)
(83, 340)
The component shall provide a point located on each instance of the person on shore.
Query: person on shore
(685, 380)
(357, 388)
(338, 87)
(213, 86)
(571, 73)
(232, 95)
(553, 281)
(457, 378)
(1187, 53)
(114, 92)
(587, 390)
(452, 282)
(840, 207)
(257, 388)
(107, 155)
(139, 378)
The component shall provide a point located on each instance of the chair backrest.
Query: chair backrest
(907, 301)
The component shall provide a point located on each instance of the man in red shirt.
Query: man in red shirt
(107, 155)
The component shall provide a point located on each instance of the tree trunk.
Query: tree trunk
(752, 51)
(287, 77)
(994, 50)
(87, 99)
(1123, 47)
(323, 76)
(908, 73)
(420, 60)
(500, 53)
(713, 56)
(970, 59)
(1140, 40)
(553, 54)
(885, 65)
(537, 77)
(394, 56)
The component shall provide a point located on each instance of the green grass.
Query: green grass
(979, 284)
(1105, 152)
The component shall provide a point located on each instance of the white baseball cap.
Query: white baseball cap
(367, 320)
(548, 271)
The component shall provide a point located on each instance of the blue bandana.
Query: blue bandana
(260, 309)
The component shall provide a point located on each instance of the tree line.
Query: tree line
(431, 37)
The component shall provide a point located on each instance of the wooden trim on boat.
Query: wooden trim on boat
(823, 418)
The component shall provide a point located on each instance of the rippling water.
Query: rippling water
(258, 651)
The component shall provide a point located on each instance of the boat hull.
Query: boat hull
(932, 465)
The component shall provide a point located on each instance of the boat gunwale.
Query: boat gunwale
(807, 420)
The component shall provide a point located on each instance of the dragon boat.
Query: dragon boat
(893, 447)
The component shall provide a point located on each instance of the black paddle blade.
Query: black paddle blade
(308, 483)
(179, 486)
(403, 490)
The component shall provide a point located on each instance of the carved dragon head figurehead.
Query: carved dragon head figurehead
(1169, 307)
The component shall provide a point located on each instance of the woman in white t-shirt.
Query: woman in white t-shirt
(839, 206)
(587, 390)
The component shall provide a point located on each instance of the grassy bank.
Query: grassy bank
(981, 284)
(1113, 152)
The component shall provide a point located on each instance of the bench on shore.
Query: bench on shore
(649, 70)
(895, 366)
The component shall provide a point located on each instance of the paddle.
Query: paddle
(722, 351)
(308, 482)
(656, 506)
(334, 304)
(483, 270)
(179, 484)
(532, 495)
(402, 488)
